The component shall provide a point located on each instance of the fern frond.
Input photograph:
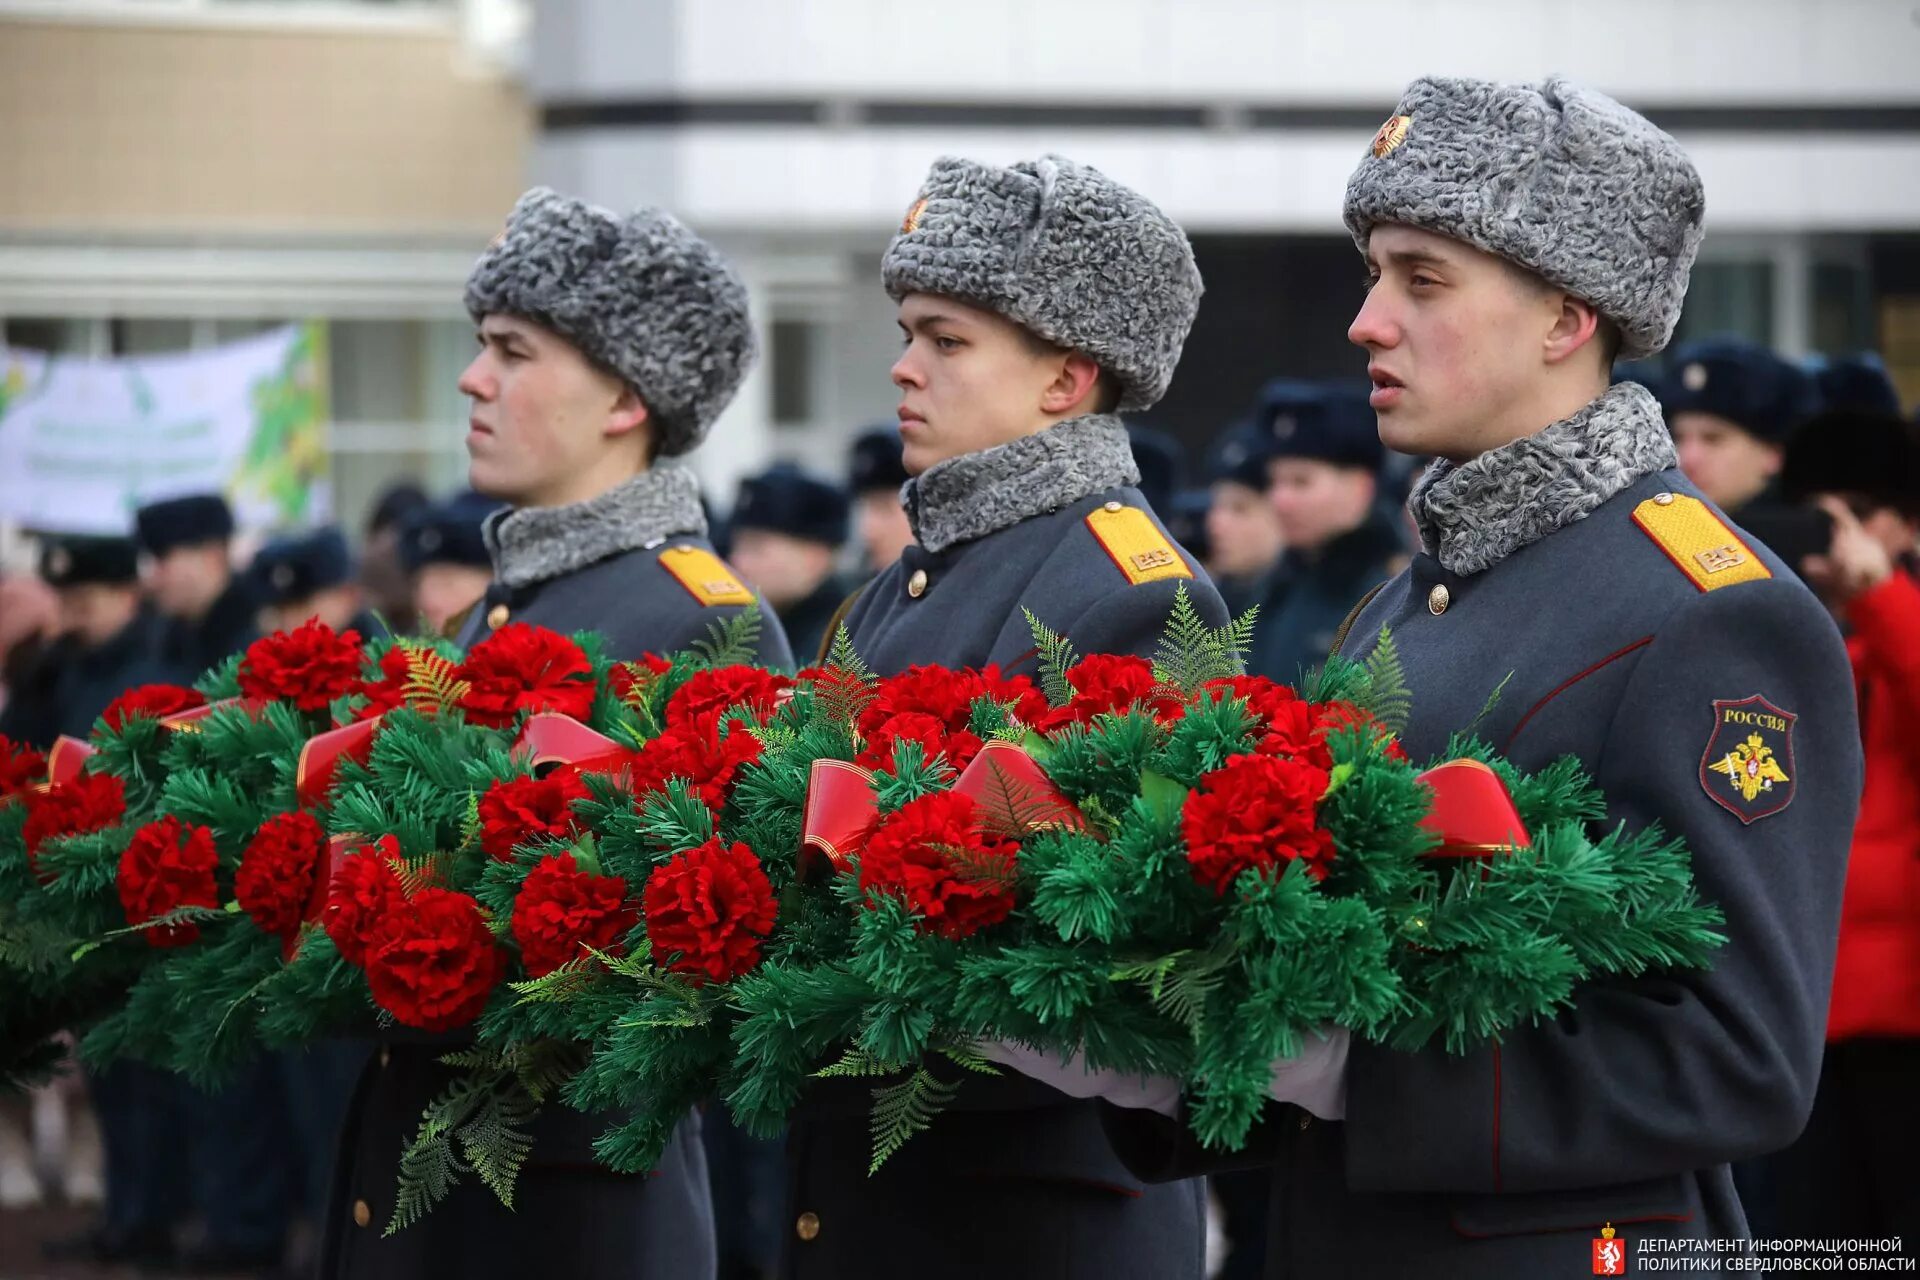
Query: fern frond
(1388, 698)
(731, 641)
(902, 1110)
(1056, 655)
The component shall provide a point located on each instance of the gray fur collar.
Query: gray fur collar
(538, 543)
(976, 494)
(1475, 515)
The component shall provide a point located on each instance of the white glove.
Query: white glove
(1315, 1079)
(1074, 1078)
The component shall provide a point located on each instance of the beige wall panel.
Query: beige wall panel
(145, 129)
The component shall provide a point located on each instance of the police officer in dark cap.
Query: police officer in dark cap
(1731, 405)
(105, 644)
(875, 475)
(445, 557)
(1243, 539)
(1859, 382)
(309, 575)
(383, 574)
(1162, 464)
(191, 581)
(1323, 468)
(787, 530)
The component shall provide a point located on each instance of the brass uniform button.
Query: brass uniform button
(497, 617)
(1663, 499)
(1438, 599)
(386, 1056)
(917, 584)
(362, 1215)
(1111, 507)
(808, 1226)
(1306, 1121)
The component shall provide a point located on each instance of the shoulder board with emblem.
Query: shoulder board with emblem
(1135, 544)
(704, 575)
(1699, 542)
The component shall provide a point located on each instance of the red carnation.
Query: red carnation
(21, 767)
(275, 879)
(696, 753)
(436, 961)
(1256, 811)
(948, 696)
(90, 802)
(1111, 682)
(390, 690)
(364, 893)
(625, 677)
(709, 909)
(518, 810)
(959, 747)
(151, 702)
(526, 668)
(711, 692)
(933, 854)
(167, 865)
(309, 666)
(562, 909)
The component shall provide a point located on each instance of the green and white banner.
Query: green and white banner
(83, 442)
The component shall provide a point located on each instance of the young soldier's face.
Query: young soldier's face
(1454, 340)
(1730, 464)
(545, 418)
(971, 379)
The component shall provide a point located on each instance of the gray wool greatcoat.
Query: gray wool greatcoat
(572, 1217)
(1015, 1179)
(1628, 1108)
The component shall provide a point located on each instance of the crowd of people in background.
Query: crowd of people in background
(1296, 510)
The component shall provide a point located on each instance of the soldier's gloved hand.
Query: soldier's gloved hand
(1315, 1079)
(1074, 1078)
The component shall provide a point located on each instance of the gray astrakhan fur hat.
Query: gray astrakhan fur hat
(1062, 250)
(641, 295)
(1560, 179)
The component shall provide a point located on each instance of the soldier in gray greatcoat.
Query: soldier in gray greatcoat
(1037, 301)
(607, 343)
(1515, 237)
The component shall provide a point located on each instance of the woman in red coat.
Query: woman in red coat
(1854, 1171)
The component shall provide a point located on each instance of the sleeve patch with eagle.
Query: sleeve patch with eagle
(1747, 768)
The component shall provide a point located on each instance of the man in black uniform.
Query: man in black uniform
(607, 343)
(1036, 301)
(445, 557)
(309, 575)
(874, 477)
(1323, 475)
(190, 578)
(1515, 235)
(787, 528)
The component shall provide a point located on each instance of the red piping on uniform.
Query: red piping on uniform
(1021, 660)
(1641, 643)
